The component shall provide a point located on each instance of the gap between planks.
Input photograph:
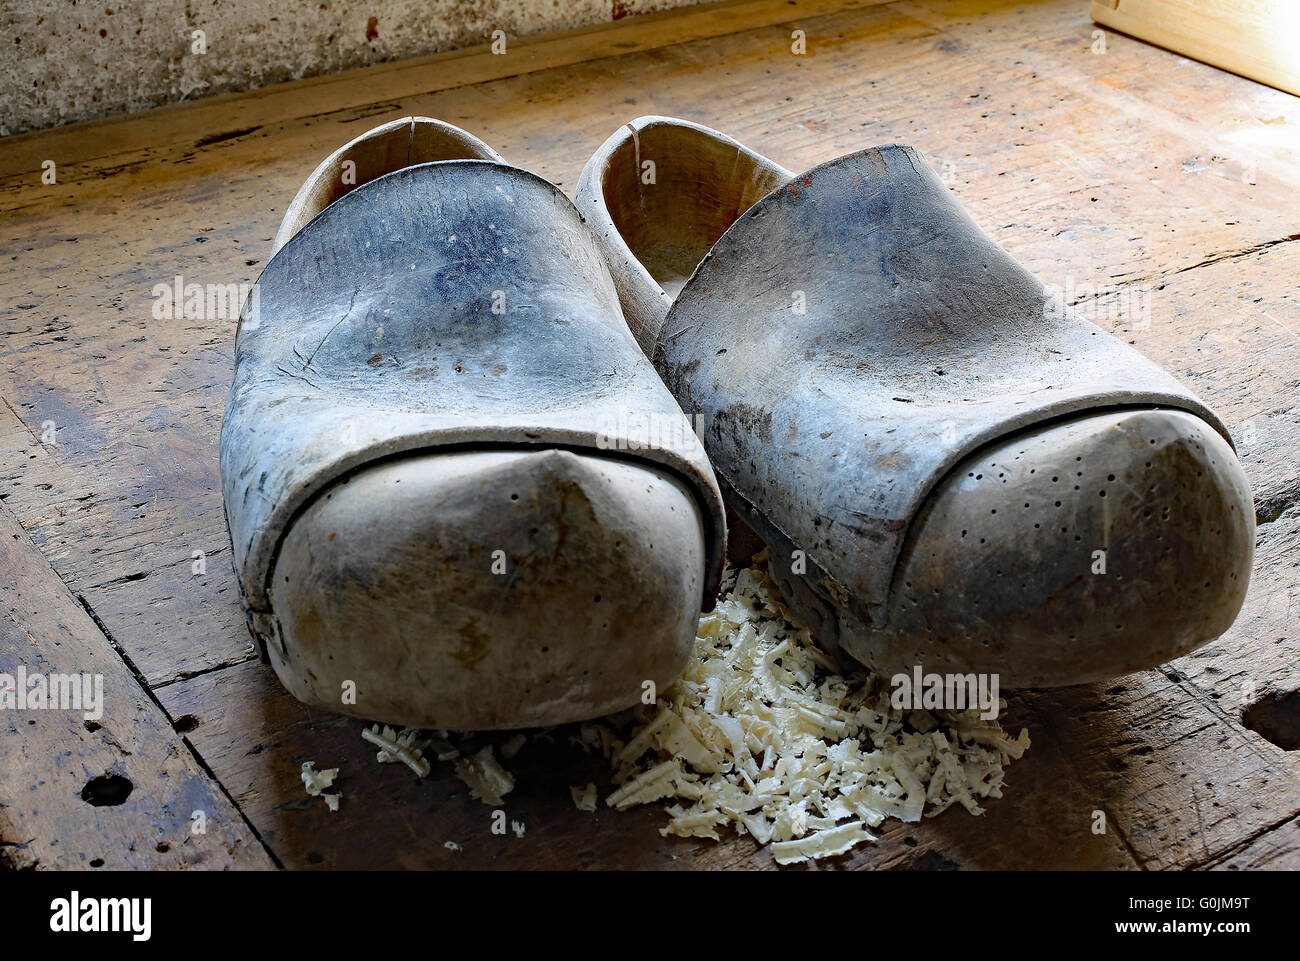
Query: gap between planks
(52, 757)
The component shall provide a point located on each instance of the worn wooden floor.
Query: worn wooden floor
(1107, 173)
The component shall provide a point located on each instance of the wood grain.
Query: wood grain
(1255, 38)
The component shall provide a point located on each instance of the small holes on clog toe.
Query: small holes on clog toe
(1125, 523)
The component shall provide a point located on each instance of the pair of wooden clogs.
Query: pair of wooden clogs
(463, 491)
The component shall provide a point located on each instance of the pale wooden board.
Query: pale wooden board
(1255, 38)
(1091, 166)
(49, 756)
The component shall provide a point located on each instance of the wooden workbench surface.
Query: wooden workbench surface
(1125, 170)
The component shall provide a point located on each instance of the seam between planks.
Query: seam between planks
(1240, 845)
(144, 686)
(189, 675)
(1163, 278)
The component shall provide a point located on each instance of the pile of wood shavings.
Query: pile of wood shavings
(761, 734)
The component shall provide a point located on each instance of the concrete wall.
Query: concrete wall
(67, 60)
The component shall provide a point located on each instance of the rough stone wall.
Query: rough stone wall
(63, 61)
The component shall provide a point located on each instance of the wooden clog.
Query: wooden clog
(950, 468)
(439, 516)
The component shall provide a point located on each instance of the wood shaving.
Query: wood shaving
(393, 747)
(488, 780)
(316, 781)
(584, 798)
(823, 844)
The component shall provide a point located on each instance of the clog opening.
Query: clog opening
(392, 146)
(673, 189)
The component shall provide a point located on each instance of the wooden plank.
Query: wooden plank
(256, 738)
(145, 493)
(1255, 38)
(1170, 751)
(1275, 848)
(109, 784)
(1181, 781)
